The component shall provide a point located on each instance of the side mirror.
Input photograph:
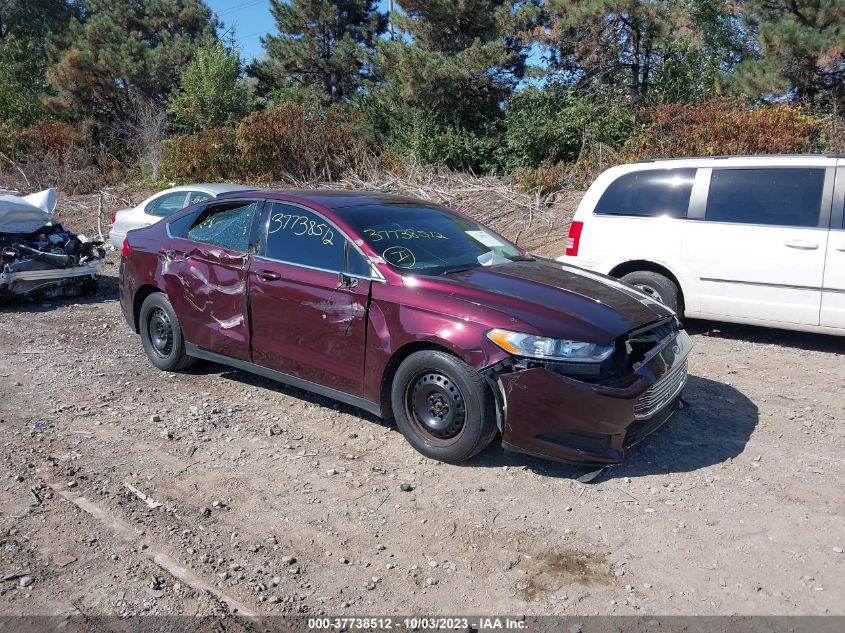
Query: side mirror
(347, 281)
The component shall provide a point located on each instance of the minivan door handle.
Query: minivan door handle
(801, 244)
(267, 275)
(841, 247)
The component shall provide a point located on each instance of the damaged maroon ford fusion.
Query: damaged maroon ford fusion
(412, 311)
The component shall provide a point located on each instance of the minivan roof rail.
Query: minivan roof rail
(726, 156)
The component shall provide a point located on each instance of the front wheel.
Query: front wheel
(443, 406)
(161, 334)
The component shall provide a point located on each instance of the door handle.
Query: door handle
(802, 245)
(841, 247)
(267, 275)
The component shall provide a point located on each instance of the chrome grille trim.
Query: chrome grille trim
(661, 393)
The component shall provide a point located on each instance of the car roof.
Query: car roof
(341, 198)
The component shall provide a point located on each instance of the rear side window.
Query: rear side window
(649, 193)
(297, 236)
(167, 204)
(776, 197)
(226, 225)
(195, 197)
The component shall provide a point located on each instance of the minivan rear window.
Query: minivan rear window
(649, 193)
(776, 196)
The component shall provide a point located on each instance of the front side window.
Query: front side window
(649, 193)
(225, 225)
(776, 197)
(298, 236)
(167, 204)
(427, 240)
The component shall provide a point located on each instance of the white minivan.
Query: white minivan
(757, 240)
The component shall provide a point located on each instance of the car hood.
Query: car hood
(559, 300)
(27, 214)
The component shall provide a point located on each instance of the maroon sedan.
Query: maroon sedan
(408, 310)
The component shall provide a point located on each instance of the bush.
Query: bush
(205, 157)
(554, 124)
(721, 127)
(290, 142)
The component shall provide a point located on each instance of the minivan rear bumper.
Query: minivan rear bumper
(553, 416)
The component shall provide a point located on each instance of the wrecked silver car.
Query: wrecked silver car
(40, 258)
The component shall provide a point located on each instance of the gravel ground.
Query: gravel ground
(284, 502)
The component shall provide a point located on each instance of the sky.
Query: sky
(250, 19)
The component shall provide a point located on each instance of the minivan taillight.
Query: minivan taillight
(126, 248)
(574, 239)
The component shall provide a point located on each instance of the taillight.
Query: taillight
(126, 248)
(114, 217)
(574, 239)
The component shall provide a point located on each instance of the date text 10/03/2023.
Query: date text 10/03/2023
(417, 623)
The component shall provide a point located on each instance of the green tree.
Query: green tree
(324, 50)
(448, 72)
(122, 52)
(31, 33)
(676, 48)
(453, 58)
(210, 93)
(801, 49)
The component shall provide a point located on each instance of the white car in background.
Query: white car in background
(758, 239)
(161, 205)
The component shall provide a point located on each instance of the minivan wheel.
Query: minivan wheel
(442, 406)
(656, 286)
(161, 334)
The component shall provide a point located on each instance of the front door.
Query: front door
(308, 319)
(758, 252)
(205, 273)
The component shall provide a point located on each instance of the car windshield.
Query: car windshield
(428, 240)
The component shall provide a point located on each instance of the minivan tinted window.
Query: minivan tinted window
(651, 192)
(774, 196)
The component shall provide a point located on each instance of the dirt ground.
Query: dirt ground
(284, 502)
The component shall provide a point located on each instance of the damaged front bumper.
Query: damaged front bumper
(51, 282)
(554, 416)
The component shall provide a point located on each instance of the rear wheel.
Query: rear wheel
(443, 406)
(656, 286)
(161, 334)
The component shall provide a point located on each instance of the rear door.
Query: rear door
(204, 269)
(309, 293)
(758, 249)
(833, 291)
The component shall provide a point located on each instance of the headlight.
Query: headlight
(532, 346)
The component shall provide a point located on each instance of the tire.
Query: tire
(443, 406)
(161, 334)
(657, 287)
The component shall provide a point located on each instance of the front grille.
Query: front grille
(661, 393)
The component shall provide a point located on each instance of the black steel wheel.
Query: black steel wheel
(161, 334)
(435, 404)
(160, 331)
(443, 407)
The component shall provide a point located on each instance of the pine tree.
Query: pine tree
(324, 49)
(802, 49)
(125, 52)
(453, 58)
(31, 33)
(679, 47)
(211, 93)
